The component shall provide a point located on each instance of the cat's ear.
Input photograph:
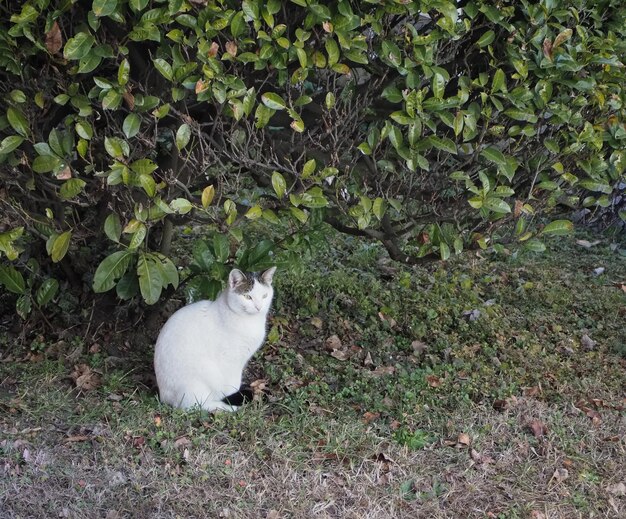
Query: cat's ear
(235, 278)
(268, 275)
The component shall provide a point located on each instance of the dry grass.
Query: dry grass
(128, 466)
(506, 417)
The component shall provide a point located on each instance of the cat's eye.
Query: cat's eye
(247, 296)
(264, 296)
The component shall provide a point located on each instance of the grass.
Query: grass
(464, 389)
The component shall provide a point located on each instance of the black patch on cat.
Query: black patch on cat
(248, 282)
(241, 397)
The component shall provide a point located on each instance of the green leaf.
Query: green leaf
(309, 168)
(208, 193)
(23, 306)
(127, 286)
(333, 51)
(139, 235)
(254, 213)
(18, 121)
(46, 163)
(78, 46)
(221, 247)
(111, 268)
(183, 135)
(112, 100)
(148, 184)
(279, 184)
(181, 205)
(486, 39)
(169, 273)
(10, 143)
(84, 130)
(60, 246)
(47, 291)
(150, 281)
(116, 147)
(592, 185)
(534, 246)
(497, 205)
(499, 81)
(559, 227)
(262, 115)
(123, 72)
(104, 7)
(273, 101)
(439, 85)
(12, 279)
(71, 188)
(299, 214)
(444, 250)
(164, 68)
(113, 227)
(131, 125)
(494, 155)
(143, 166)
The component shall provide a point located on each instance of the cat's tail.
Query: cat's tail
(240, 397)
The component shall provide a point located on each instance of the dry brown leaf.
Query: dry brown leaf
(328, 26)
(532, 391)
(433, 380)
(538, 428)
(317, 322)
(383, 370)
(201, 86)
(560, 475)
(340, 354)
(183, 441)
(65, 173)
(370, 417)
(547, 48)
(85, 378)
(535, 514)
(54, 40)
(518, 208)
(500, 405)
(129, 99)
(333, 343)
(157, 420)
(587, 244)
(463, 439)
(231, 48)
(419, 347)
(258, 386)
(618, 489)
(213, 50)
(78, 438)
(368, 360)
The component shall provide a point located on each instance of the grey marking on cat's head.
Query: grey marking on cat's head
(243, 282)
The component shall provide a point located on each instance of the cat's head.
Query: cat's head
(250, 292)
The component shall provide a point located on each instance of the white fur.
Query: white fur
(203, 348)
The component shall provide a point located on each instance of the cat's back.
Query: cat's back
(190, 320)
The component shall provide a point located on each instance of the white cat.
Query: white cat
(203, 348)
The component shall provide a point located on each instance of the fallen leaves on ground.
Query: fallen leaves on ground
(433, 380)
(538, 428)
(85, 378)
(560, 475)
(370, 417)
